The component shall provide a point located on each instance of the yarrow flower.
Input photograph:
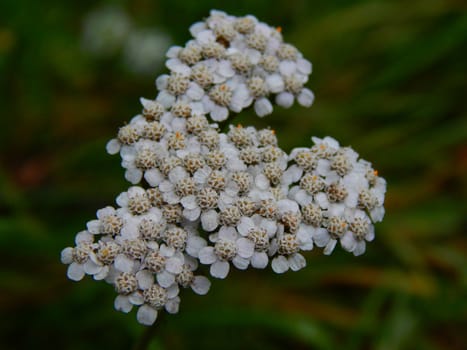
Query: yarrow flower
(200, 196)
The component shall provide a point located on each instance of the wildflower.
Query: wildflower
(200, 195)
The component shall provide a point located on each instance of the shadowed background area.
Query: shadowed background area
(389, 79)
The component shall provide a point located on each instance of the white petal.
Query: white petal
(205, 37)
(219, 113)
(209, 220)
(66, 255)
(245, 225)
(287, 68)
(194, 245)
(207, 256)
(323, 167)
(292, 174)
(304, 66)
(173, 51)
(225, 200)
(360, 248)
(191, 214)
(201, 285)
(189, 202)
(178, 125)
(246, 248)
(235, 164)
(270, 226)
(161, 82)
(262, 182)
(113, 146)
(122, 199)
(145, 279)
(153, 177)
(136, 298)
(174, 265)
(336, 209)
(152, 245)
(191, 262)
(352, 199)
(166, 251)
(112, 275)
(201, 175)
(165, 279)
(240, 98)
(75, 272)
(253, 55)
(286, 205)
(228, 233)
(133, 175)
(122, 303)
(220, 269)
(308, 245)
(175, 65)
(330, 247)
(146, 103)
(273, 245)
(128, 153)
(225, 69)
(172, 291)
(195, 92)
(371, 234)
(166, 186)
(377, 214)
(305, 233)
(285, 99)
(303, 198)
(331, 142)
(197, 28)
(165, 99)
(93, 226)
(297, 262)
(322, 200)
(91, 268)
(275, 83)
(146, 315)
(348, 242)
(259, 260)
(197, 108)
(102, 213)
(280, 264)
(136, 191)
(305, 98)
(130, 230)
(172, 305)
(241, 263)
(263, 107)
(177, 174)
(82, 237)
(124, 263)
(103, 273)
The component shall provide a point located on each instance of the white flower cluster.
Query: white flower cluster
(201, 196)
(339, 195)
(232, 63)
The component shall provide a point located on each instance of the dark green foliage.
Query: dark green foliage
(389, 79)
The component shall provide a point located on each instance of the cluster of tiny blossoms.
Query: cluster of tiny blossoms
(232, 63)
(221, 199)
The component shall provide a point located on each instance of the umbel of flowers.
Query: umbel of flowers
(226, 200)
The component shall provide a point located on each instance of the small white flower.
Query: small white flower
(229, 247)
(260, 231)
(156, 298)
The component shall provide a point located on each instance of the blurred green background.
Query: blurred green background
(389, 79)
